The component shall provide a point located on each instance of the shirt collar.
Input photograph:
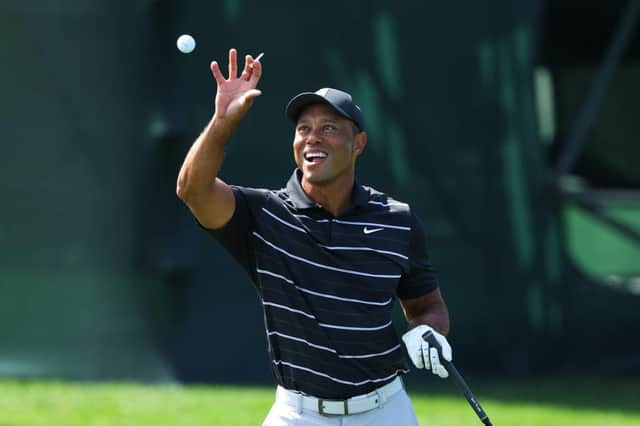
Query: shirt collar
(302, 201)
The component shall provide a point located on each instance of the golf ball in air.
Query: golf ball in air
(186, 43)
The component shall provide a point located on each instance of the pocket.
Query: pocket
(398, 410)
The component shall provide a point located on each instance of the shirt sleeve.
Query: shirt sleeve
(235, 235)
(421, 277)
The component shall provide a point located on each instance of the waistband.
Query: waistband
(333, 407)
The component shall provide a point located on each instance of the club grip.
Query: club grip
(457, 378)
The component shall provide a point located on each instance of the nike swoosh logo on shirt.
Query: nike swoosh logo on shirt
(371, 231)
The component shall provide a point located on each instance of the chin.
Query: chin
(315, 178)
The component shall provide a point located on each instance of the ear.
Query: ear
(360, 143)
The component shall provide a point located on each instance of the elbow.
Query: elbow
(191, 193)
(182, 188)
(181, 193)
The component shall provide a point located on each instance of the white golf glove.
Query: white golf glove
(424, 356)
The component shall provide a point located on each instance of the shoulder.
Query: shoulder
(256, 199)
(385, 202)
(252, 195)
(251, 192)
(382, 208)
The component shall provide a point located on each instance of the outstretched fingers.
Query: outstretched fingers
(251, 72)
(256, 71)
(217, 74)
(248, 68)
(252, 69)
(233, 64)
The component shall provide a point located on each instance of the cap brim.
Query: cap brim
(303, 100)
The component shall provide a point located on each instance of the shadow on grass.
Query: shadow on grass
(594, 393)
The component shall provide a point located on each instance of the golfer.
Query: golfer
(328, 257)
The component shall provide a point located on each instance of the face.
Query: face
(326, 145)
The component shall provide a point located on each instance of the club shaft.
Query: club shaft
(466, 391)
(458, 379)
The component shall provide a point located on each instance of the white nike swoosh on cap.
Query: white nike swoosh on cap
(371, 231)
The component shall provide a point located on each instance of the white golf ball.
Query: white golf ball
(186, 43)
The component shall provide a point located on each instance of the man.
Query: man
(328, 258)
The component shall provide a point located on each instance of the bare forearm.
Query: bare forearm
(204, 159)
(429, 309)
(197, 177)
(211, 200)
(437, 317)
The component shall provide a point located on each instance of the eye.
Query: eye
(329, 128)
(303, 129)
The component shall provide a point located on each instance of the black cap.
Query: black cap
(340, 101)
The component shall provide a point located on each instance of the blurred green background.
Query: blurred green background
(105, 275)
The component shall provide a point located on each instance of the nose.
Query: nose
(313, 137)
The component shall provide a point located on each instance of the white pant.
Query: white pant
(397, 411)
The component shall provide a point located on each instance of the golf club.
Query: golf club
(457, 377)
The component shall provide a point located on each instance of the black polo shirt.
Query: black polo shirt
(328, 284)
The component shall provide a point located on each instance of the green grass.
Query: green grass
(540, 402)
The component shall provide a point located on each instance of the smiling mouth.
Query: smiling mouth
(315, 157)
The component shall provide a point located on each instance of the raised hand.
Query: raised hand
(235, 94)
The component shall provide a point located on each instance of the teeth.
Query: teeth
(310, 155)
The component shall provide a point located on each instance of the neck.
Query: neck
(335, 196)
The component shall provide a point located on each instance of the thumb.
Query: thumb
(251, 95)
